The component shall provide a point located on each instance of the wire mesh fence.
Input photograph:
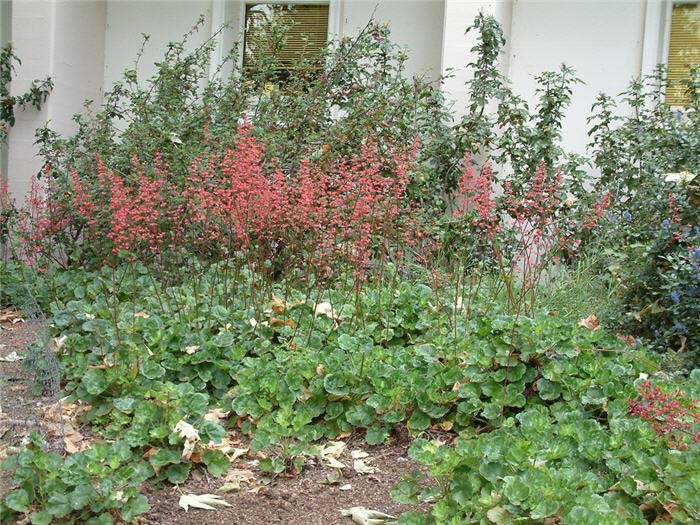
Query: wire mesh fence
(30, 381)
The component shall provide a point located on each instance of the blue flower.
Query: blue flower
(627, 216)
(640, 129)
(675, 296)
(679, 115)
(666, 223)
(679, 327)
(696, 252)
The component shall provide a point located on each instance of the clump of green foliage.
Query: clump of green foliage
(649, 161)
(93, 487)
(35, 97)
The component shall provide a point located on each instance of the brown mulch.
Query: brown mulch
(301, 500)
(17, 403)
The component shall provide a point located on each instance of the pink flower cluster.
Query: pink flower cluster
(476, 191)
(672, 416)
(236, 201)
(322, 214)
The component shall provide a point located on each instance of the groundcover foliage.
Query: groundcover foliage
(330, 255)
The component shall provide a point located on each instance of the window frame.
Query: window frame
(669, 20)
(657, 33)
(334, 18)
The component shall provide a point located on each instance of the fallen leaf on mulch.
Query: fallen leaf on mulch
(334, 463)
(333, 449)
(215, 414)
(359, 454)
(74, 441)
(69, 411)
(12, 357)
(57, 343)
(202, 501)
(234, 480)
(627, 339)
(363, 468)
(364, 516)
(274, 321)
(11, 315)
(590, 322)
(325, 309)
(190, 435)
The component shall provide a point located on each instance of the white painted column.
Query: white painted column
(456, 45)
(63, 40)
(657, 28)
(5, 36)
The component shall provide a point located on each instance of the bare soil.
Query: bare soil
(302, 500)
(20, 410)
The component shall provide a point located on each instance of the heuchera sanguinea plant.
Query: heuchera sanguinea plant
(231, 203)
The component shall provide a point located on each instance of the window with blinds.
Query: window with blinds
(284, 33)
(683, 50)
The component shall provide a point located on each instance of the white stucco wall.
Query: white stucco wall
(456, 46)
(601, 40)
(163, 21)
(85, 46)
(31, 36)
(416, 25)
(63, 40)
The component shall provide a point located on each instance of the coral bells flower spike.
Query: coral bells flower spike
(476, 191)
(673, 417)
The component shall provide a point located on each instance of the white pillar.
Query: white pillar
(456, 45)
(63, 40)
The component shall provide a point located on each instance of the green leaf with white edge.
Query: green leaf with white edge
(348, 343)
(41, 518)
(177, 473)
(360, 415)
(152, 370)
(418, 421)
(548, 390)
(94, 381)
(223, 340)
(274, 465)
(103, 519)
(136, 506)
(165, 456)
(376, 434)
(17, 500)
(216, 461)
(59, 505)
(124, 404)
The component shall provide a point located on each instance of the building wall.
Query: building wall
(5, 36)
(601, 40)
(31, 35)
(63, 40)
(85, 46)
(416, 25)
(163, 21)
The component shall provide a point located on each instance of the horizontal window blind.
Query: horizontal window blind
(683, 51)
(306, 31)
